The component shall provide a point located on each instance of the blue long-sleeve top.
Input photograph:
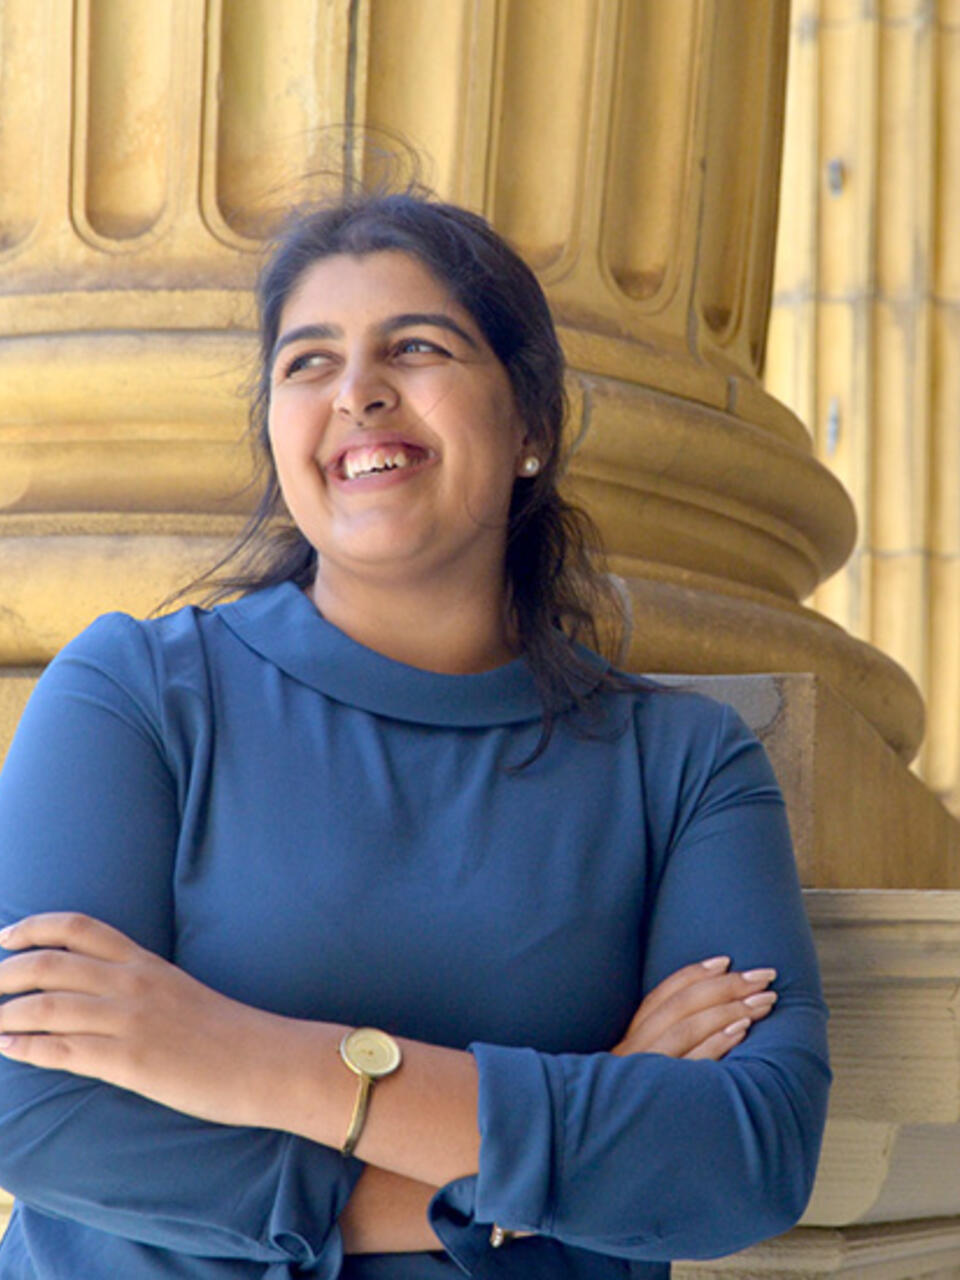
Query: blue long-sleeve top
(315, 829)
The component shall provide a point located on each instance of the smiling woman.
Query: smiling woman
(368, 926)
(432, 296)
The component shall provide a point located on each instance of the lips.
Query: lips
(366, 459)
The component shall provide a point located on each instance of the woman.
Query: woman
(385, 789)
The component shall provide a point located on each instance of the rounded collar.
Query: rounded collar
(283, 626)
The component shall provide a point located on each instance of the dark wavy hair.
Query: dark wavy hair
(557, 595)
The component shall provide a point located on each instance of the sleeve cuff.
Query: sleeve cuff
(519, 1135)
(513, 1187)
(452, 1216)
(519, 1124)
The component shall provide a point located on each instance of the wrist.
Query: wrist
(422, 1121)
(301, 1085)
(387, 1213)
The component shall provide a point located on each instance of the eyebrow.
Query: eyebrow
(406, 321)
(436, 318)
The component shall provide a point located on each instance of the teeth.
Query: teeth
(361, 462)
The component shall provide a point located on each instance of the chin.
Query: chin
(373, 556)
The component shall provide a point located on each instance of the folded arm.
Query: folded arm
(649, 1157)
(89, 821)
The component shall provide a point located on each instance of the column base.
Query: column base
(859, 818)
(902, 1251)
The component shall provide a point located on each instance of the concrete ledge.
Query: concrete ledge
(906, 1251)
(891, 974)
(886, 1204)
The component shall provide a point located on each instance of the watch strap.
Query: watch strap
(360, 1106)
(370, 1054)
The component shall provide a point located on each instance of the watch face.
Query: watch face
(371, 1051)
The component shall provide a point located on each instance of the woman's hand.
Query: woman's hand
(701, 1011)
(92, 1002)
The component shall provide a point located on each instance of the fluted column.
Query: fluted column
(644, 192)
(144, 146)
(630, 151)
(865, 333)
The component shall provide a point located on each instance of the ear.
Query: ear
(527, 448)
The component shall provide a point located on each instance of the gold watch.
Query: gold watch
(371, 1055)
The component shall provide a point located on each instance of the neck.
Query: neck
(454, 628)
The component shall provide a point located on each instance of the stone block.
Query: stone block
(905, 1251)
(859, 817)
(886, 1204)
(891, 975)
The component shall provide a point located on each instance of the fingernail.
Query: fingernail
(716, 963)
(6, 934)
(760, 975)
(735, 1028)
(762, 999)
(5, 1042)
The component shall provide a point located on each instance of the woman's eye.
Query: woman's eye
(419, 346)
(308, 360)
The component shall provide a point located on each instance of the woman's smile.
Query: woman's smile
(378, 459)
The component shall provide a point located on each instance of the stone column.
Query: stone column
(148, 147)
(631, 151)
(133, 190)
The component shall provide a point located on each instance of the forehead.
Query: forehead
(368, 287)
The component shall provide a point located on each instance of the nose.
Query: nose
(363, 393)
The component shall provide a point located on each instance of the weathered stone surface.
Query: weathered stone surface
(907, 1251)
(859, 817)
(891, 969)
(886, 1204)
(15, 687)
(865, 330)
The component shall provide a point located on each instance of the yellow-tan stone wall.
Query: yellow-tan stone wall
(865, 333)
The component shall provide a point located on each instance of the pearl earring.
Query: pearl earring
(530, 465)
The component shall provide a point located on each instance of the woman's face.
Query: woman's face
(392, 423)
